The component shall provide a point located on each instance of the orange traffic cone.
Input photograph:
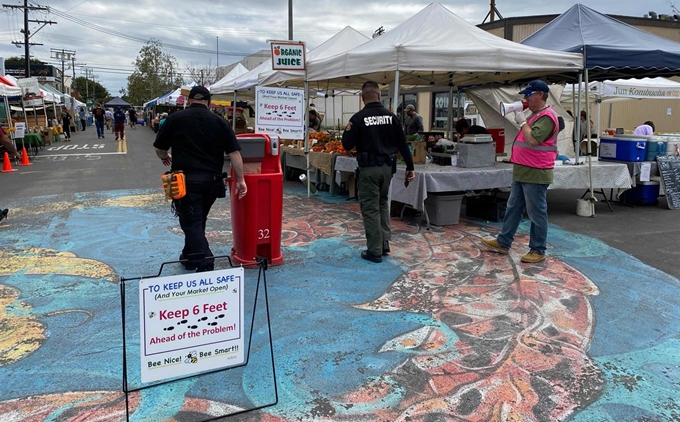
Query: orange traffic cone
(24, 158)
(6, 165)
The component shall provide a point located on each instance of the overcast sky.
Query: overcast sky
(240, 27)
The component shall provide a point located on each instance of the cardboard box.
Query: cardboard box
(419, 152)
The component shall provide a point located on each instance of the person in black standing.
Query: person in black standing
(377, 135)
(199, 139)
(66, 123)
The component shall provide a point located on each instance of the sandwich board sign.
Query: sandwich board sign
(191, 323)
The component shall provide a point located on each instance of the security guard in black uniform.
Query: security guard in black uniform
(377, 136)
(199, 139)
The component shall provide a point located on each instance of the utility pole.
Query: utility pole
(493, 11)
(290, 20)
(63, 55)
(27, 32)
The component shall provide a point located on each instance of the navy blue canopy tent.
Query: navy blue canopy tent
(611, 49)
(117, 102)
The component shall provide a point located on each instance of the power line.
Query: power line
(138, 39)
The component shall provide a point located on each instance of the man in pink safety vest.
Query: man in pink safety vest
(533, 156)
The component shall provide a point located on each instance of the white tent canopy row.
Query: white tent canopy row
(420, 49)
(263, 74)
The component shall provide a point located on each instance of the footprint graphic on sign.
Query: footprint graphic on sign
(212, 324)
(203, 319)
(193, 327)
(170, 328)
(184, 321)
(219, 316)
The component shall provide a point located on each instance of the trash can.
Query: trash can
(256, 219)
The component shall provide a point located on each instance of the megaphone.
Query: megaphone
(507, 108)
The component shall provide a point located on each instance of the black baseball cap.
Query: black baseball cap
(199, 93)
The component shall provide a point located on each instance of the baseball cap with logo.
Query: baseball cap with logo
(535, 86)
(199, 93)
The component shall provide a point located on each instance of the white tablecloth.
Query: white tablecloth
(436, 178)
(606, 175)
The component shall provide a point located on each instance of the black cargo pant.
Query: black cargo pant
(193, 210)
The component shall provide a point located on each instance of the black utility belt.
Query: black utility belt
(369, 160)
(202, 177)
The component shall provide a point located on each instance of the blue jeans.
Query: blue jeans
(532, 198)
(100, 127)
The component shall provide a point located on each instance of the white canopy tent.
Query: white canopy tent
(611, 91)
(345, 40)
(220, 86)
(421, 51)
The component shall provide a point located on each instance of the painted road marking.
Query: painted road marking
(122, 145)
(69, 147)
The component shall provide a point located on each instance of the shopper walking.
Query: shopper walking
(377, 136)
(108, 117)
(66, 123)
(82, 114)
(533, 156)
(132, 115)
(99, 115)
(119, 123)
(198, 140)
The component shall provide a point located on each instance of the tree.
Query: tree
(202, 75)
(20, 61)
(156, 73)
(85, 89)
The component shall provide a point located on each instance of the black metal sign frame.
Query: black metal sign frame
(262, 264)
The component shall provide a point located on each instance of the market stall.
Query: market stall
(610, 47)
(433, 178)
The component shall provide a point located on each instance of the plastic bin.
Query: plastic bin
(257, 218)
(443, 208)
(623, 149)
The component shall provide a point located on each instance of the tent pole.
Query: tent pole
(577, 118)
(449, 114)
(305, 119)
(589, 149)
(574, 134)
(233, 113)
(609, 121)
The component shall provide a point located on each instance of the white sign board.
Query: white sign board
(20, 130)
(288, 56)
(613, 90)
(30, 90)
(280, 111)
(191, 323)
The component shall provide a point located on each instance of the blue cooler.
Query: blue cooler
(655, 148)
(644, 193)
(623, 149)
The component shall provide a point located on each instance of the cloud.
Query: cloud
(242, 27)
